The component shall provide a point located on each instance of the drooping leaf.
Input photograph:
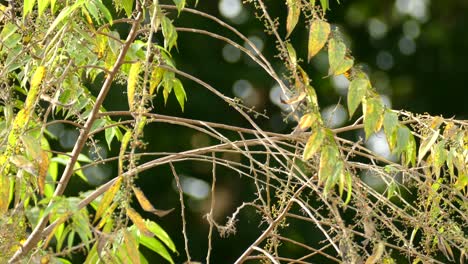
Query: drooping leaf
(349, 182)
(373, 115)
(294, 10)
(146, 204)
(339, 64)
(41, 6)
(312, 97)
(156, 246)
(296, 99)
(180, 4)
(107, 14)
(313, 143)
(132, 83)
(357, 91)
(138, 221)
(131, 247)
(306, 121)
(43, 166)
(159, 232)
(169, 32)
(28, 6)
(318, 37)
(128, 7)
(292, 54)
(439, 156)
(325, 5)
(156, 77)
(427, 143)
(333, 178)
(390, 125)
(328, 161)
(179, 92)
(107, 198)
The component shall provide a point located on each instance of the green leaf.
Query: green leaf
(180, 93)
(66, 11)
(294, 10)
(180, 4)
(292, 54)
(318, 37)
(390, 124)
(403, 137)
(168, 83)
(439, 156)
(110, 134)
(357, 90)
(336, 57)
(349, 181)
(169, 33)
(313, 143)
(41, 6)
(160, 234)
(28, 6)
(156, 246)
(128, 7)
(334, 177)
(324, 4)
(373, 115)
(107, 14)
(328, 162)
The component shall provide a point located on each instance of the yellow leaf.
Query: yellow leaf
(306, 121)
(314, 143)
(294, 10)
(132, 83)
(4, 193)
(131, 246)
(146, 204)
(318, 37)
(108, 197)
(373, 115)
(139, 222)
(42, 171)
(296, 99)
(36, 80)
(156, 78)
(339, 64)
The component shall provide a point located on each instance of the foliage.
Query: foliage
(52, 50)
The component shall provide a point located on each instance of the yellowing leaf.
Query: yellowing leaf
(390, 125)
(339, 64)
(318, 37)
(312, 97)
(314, 143)
(123, 147)
(107, 198)
(131, 246)
(373, 115)
(132, 83)
(42, 171)
(357, 90)
(146, 204)
(306, 121)
(156, 77)
(294, 10)
(4, 192)
(296, 99)
(139, 222)
(328, 162)
(439, 156)
(36, 80)
(334, 177)
(426, 144)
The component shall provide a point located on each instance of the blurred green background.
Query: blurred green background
(415, 52)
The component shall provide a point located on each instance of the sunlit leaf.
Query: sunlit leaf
(159, 232)
(296, 99)
(28, 6)
(439, 156)
(328, 162)
(324, 4)
(132, 83)
(139, 222)
(427, 143)
(108, 197)
(107, 14)
(349, 182)
(41, 6)
(131, 247)
(339, 64)
(179, 93)
(356, 92)
(318, 37)
(312, 97)
(334, 177)
(156, 246)
(294, 10)
(390, 124)
(169, 32)
(292, 54)
(313, 143)
(306, 121)
(146, 204)
(43, 164)
(128, 7)
(156, 77)
(373, 115)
